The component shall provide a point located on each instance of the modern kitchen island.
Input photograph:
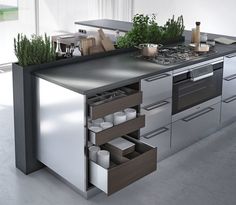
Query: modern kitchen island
(66, 99)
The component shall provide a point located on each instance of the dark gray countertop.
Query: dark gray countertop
(106, 73)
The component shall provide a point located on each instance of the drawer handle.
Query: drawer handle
(231, 99)
(231, 55)
(158, 77)
(155, 105)
(156, 132)
(229, 78)
(198, 114)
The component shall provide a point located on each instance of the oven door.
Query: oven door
(188, 92)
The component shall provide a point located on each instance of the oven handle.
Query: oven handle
(202, 77)
(229, 78)
(157, 77)
(155, 106)
(229, 100)
(198, 114)
(155, 132)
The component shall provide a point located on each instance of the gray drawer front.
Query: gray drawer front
(159, 138)
(156, 115)
(230, 65)
(228, 110)
(191, 128)
(229, 86)
(156, 88)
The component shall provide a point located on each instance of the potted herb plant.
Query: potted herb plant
(146, 30)
(33, 54)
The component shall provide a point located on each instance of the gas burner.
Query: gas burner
(175, 55)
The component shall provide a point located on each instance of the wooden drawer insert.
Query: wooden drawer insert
(118, 130)
(117, 177)
(130, 100)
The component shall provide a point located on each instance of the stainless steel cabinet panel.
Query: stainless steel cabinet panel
(157, 115)
(159, 138)
(229, 65)
(228, 110)
(193, 127)
(61, 136)
(229, 86)
(158, 87)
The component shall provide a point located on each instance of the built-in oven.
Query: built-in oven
(196, 85)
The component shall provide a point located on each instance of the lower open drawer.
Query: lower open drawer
(140, 164)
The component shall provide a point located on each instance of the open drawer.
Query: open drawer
(141, 163)
(106, 135)
(114, 101)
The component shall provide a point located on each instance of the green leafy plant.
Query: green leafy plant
(36, 50)
(146, 30)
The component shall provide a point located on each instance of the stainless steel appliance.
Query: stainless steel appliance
(196, 85)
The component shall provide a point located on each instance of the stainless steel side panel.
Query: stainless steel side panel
(61, 134)
(156, 115)
(191, 128)
(159, 138)
(229, 65)
(156, 88)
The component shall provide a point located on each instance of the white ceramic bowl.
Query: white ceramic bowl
(95, 129)
(109, 118)
(130, 113)
(97, 122)
(119, 117)
(106, 125)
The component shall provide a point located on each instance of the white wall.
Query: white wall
(216, 16)
(9, 29)
(60, 15)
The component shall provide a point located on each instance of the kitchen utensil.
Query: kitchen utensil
(109, 118)
(93, 153)
(119, 117)
(148, 49)
(130, 113)
(97, 122)
(211, 42)
(85, 44)
(197, 36)
(103, 158)
(96, 49)
(106, 125)
(202, 48)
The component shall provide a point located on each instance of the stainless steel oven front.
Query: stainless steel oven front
(196, 84)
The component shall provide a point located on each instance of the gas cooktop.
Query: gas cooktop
(175, 55)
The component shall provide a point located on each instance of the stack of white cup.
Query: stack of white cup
(101, 157)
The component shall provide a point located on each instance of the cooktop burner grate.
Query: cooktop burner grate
(175, 55)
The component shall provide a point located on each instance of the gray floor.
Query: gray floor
(203, 174)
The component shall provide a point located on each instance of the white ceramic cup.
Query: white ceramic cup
(119, 117)
(130, 113)
(93, 153)
(109, 118)
(106, 125)
(97, 122)
(103, 158)
(92, 133)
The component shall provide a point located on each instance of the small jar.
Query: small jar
(204, 37)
